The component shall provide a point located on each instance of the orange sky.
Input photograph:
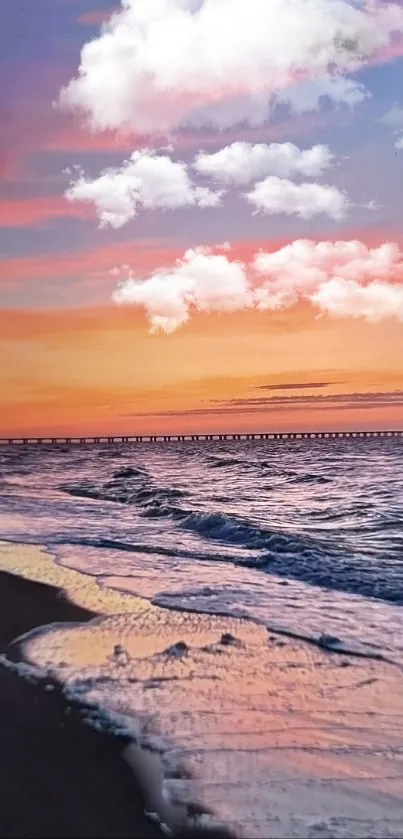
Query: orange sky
(72, 362)
(99, 371)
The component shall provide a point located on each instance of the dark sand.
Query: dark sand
(58, 777)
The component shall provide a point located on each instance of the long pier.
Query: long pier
(196, 438)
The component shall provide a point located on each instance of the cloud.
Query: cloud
(393, 118)
(279, 195)
(310, 270)
(241, 163)
(309, 95)
(296, 386)
(148, 181)
(159, 63)
(154, 181)
(375, 301)
(344, 279)
(357, 399)
(339, 402)
(201, 280)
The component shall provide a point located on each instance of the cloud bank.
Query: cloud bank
(153, 181)
(343, 279)
(159, 64)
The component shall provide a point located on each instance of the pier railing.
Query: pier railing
(197, 438)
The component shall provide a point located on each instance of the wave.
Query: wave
(311, 559)
(342, 545)
(224, 528)
(225, 462)
(310, 479)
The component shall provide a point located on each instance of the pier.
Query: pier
(196, 438)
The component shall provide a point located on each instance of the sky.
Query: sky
(201, 216)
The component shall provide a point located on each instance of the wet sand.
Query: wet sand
(58, 777)
(280, 738)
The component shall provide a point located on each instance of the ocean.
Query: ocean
(215, 546)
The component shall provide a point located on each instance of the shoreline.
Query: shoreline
(325, 742)
(59, 777)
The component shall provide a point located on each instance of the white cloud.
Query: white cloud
(345, 279)
(153, 181)
(280, 195)
(202, 280)
(399, 143)
(241, 163)
(146, 180)
(304, 269)
(374, 302)
(159, 63)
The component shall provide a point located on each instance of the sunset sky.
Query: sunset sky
(201, 216)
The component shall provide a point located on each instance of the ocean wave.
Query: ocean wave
(225, 462)
(130, 472)
(310, 479)
(130, 485)
(314, 557)
(220, 527)
(323, 515)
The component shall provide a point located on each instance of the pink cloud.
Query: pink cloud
(89, 266)
(392, 52)
(28, 212)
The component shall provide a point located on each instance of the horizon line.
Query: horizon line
(96, 439)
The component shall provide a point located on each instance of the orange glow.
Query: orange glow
(99, 371)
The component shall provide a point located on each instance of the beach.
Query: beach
(321, 731)
(59, 777)
(202, 618)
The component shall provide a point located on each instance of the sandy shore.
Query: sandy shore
(283, 739)
(58, 777)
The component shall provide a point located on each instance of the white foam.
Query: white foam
(272, 739)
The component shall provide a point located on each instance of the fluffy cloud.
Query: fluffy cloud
(280, 195)
(241, 163)
(146, 180)
(202, 280)
(375, 301)
(159, 63)
(153, 181)
(314, 270)
(340, 278)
